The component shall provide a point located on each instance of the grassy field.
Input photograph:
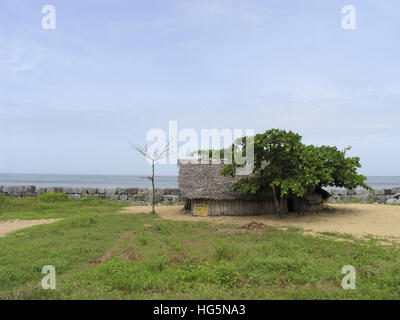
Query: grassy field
(100, 254)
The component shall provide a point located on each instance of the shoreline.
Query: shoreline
(128, 181)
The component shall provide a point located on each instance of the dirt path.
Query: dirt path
(357, 219)
(12, 225)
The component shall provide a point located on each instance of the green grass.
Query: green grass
(150, 258)
(50, 206)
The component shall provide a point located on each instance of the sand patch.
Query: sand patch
(12, 225)
(357, 219)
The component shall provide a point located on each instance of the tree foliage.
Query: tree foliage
(284, 166)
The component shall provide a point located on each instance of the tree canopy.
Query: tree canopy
(284, 166)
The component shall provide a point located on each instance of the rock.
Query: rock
(82, 191)
(58, 190)
(338, 192)
(391, 201)
(363, 194)
(168, 198)
(18, 190)
(380, 198)
(101, 190)
(395, 190)
(176, 192)
(30, 189)
(157, 198)
(9, 190)
(121, 190)
(380, 192)
(396, 196)
(132, 191)
(140, 197)
(74, 196)
(111, 191)
(175, 198)
(351, 192)
(68, 190)
(92, 191)
(162, 195)
(142, 191)
(75, 190)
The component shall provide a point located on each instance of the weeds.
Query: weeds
(159, 259)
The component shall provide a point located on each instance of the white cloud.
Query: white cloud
(19, 55)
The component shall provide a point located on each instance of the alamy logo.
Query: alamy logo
(49, 280)
(349, 20)
(186, 141)
(49, 20)
(349, 281)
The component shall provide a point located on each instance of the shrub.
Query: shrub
(224, 250)
(143, 239)
(227, 275)
(53, 197)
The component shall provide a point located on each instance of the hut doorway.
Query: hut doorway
(290, 205)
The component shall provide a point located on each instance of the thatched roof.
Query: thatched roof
(202, 179)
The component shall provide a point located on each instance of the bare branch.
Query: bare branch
(153, 155)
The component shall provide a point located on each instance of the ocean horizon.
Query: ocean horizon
(124, 181)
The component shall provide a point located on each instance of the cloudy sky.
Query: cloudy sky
(72, 98)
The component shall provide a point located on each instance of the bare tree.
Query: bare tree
(154, 156)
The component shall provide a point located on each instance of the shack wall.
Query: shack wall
(205, 207)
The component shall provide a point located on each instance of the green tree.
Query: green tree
(285, 167)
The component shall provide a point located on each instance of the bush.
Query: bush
(53, 197)
(227, 275)
(224, 250)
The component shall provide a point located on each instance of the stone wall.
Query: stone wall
(140, 196)
(388, 196)
(137, 196)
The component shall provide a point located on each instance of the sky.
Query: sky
(72, 99)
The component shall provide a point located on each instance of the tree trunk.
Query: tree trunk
(154, 192)
(187, 204)
(276, 201)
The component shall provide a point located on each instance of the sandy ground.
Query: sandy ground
(355, 219)
(12, 225)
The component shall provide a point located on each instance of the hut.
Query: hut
(208, 193)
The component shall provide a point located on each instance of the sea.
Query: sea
(83, 180)
(124, 181)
